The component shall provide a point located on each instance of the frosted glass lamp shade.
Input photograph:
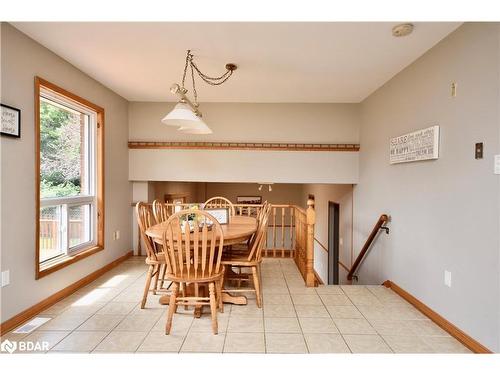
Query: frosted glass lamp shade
(182, 116)
(201, 128)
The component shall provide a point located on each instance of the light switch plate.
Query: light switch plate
(5, 278)
(447, 278)
(497, 164)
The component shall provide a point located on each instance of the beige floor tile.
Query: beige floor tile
(285, 343)
(355, 289)
(407, 344)
(302, 290)
(344, 312)
(80, 341)
(278, 299)
(329, 289)
(311, 311)
(306, 299)
(279, 311)
(245, 324)
(57, 308)
(181, 323)
(392, 327)
(335, 300)
(425, 328)
(362, 299)
(367, 344)
(354, 326)
(203, 342)
(64, 322)
(249, 309)
(375, 312)
(158, 341)
(237, 342)
(121, 342)
(295, 284)
(137, 323)
(118, 308)
(282, 325)
(129, 296)
(325, 343)
(84, 309)
(274, 290)
(270, 282)
(44, 340)
(11, 336)
(100, 322)
(152, 312)
(318, 325)
(204, 324)
(445, 345)
(401, 312)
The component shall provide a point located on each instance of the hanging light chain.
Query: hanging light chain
(195, 93)
(214, 81)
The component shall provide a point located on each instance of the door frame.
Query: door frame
(333, 242)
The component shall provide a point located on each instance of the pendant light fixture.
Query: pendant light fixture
(186, 115)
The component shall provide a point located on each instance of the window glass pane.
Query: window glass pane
(63, 151)
(50, 232)
(79, 224)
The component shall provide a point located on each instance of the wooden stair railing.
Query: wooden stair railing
(379, 225)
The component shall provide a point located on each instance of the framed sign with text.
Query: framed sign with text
(220, 214)
(11, 121)
(419, 145)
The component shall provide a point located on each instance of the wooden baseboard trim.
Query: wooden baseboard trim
(452, 329)
(27, 314)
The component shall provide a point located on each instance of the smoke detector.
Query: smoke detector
(403, 29)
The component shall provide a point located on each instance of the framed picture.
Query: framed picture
(249, 199)
(11, 121)
(220, 214)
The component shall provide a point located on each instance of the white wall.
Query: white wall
(445, 213)
(247, 122)
(341, 194)
(252, 122)
(21, 60)
(243, 166)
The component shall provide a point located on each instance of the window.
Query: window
(70, 212)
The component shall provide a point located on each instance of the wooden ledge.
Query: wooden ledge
(254, 146)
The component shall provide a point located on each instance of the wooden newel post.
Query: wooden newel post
(311, 220)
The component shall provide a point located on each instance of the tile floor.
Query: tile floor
(105, 317)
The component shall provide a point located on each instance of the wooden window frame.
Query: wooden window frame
(66, 260)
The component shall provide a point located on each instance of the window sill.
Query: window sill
(64, 261)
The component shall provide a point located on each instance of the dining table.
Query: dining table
(238, 230)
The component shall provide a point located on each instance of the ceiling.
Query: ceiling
(277, 62)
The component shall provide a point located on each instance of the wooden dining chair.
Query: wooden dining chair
(160, 211)
(252, 259)
(155, 259)
(220, 202)
(194, 258)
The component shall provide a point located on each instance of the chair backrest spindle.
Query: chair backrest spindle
(193, 255)
(145, 220)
